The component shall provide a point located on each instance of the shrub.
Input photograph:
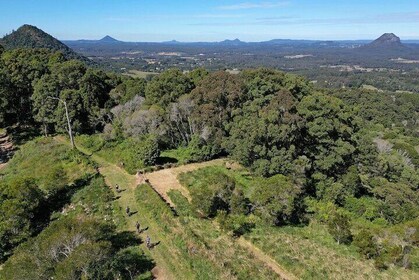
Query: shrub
(276, 199)
(366, 244)
(339, 227)
(237, 224)
(92, 142)
(207, 200)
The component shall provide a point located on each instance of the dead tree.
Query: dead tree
(69, 130)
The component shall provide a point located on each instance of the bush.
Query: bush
(207, 200)
(212, 190)
(237, 224)
(134, 153)
(339, 227)
(92, 142)
(366, 244)
(277, 200)
(410, 151)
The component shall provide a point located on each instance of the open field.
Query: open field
(140, 74)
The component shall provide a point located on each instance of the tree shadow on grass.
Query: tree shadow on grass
(164, 160)
(131, 262)
(125, 239)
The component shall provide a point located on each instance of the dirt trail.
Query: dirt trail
(259, 254)
(163, 181)
(113, 175)
(166, 179)
(6, 149)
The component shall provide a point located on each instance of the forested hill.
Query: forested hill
(28, 36)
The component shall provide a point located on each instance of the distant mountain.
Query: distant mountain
(108, 39)
(28, 36)
(287, 42)
(235, 42)
(388, 41)
(173, 42)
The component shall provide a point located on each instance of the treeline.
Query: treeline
(32, 81)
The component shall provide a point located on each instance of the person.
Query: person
(137, 225)
(117, 188)
(127, 210)
(148, 242)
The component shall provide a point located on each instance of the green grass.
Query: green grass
(91, 142)
(140, 74)
(95, 199)
(182, 205)
(51, 164)
(197, 244)
(208, 175)
(309, 252)
(181, 155)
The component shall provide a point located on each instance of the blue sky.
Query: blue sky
(213, 20)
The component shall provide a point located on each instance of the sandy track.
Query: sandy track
(166, 179)
(271, 263)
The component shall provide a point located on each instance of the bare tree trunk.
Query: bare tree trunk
(45, 129)
(70, 131)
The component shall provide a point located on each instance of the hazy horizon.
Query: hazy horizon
(192, 21)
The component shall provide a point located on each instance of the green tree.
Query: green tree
(366, 244)
(22, 67)
(167, 87)
(277, 199)
(20, 200)
(339, 227)
(46, 88)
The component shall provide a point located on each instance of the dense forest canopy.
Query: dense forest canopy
(346, 158)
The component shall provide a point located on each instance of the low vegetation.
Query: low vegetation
(308, 250)
(71, 235)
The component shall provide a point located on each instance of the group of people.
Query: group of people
(148, 243)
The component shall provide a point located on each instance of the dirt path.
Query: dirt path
(113, 175)
(165, 180)
(259, 254)
(2, 165)
(6, 149)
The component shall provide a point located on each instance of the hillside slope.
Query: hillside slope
(28, 36)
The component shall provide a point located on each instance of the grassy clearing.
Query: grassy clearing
(190, 248)
(140, 74)
(309, 252)
(52, 165)
(208, 175)
(181, 155)
(203, 240)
